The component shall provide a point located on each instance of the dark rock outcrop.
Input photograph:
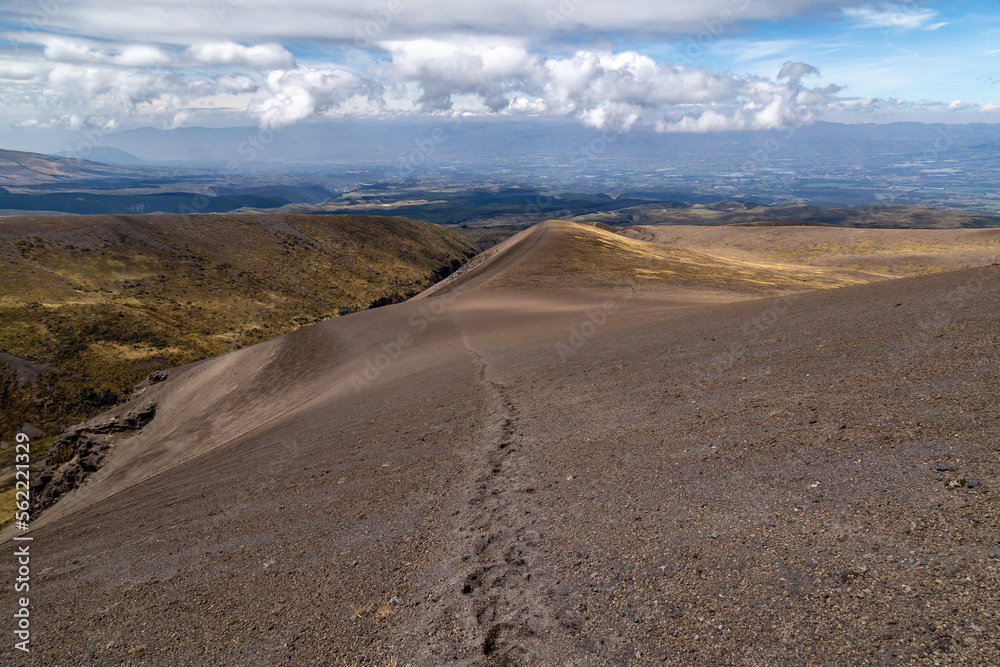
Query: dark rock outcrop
(80, 451)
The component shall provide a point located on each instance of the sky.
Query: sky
(674, 65)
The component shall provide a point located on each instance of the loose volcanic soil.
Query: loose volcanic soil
(552, 459)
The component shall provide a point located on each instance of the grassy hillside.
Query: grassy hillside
(892, 253)
(735, 213)
(584, 256)
(90, 305)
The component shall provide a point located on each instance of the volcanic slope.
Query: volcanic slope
(526, 467)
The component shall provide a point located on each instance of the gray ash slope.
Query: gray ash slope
(692, 479)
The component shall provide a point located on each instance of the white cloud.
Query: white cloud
(79, 82)
(878, 105)
(141, 56)
(600, 89)
(179, 119)
(898, 17)
(238, 83)
(297, 94)
(604, 89)
(443, 69)
(959, 105)
(759, 105)
(762, 49)
(440, 58)
(81, 95)
(259, 56)
(795, 71)
(62, 50)
(75, 51)
(20, 71)
(992, 106)
(102, 94)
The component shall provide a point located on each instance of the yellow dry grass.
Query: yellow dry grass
(879, 252)
(586, 256)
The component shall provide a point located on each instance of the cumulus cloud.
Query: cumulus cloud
(759, 104)
(141, 56)
(795, 71)
(79, 81)
(444, 69)
(605, 89)
(959, 105)
(259, 56)
(101, 95)
(61, 50)
(75, 51)
(295, 95)
(602, 89)
(179, 119)
(238, 83)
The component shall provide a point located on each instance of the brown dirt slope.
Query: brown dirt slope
(515, 472)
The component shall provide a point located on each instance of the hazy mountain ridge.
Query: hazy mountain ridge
(18, 168)
(332, 142)
(937, 165)
(105, 154)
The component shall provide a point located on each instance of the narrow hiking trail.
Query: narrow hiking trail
(496, 590)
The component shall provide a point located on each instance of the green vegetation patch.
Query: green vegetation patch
(93, 304)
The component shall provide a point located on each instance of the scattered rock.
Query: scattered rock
(134, 420)
(155, 377)
(31, 431)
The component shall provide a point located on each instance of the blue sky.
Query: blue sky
(671, 64)
(942, 52)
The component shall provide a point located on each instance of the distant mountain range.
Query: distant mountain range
(106, 154)
(59, 184)
(18, 168)
(933, 165)
(502, 141)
